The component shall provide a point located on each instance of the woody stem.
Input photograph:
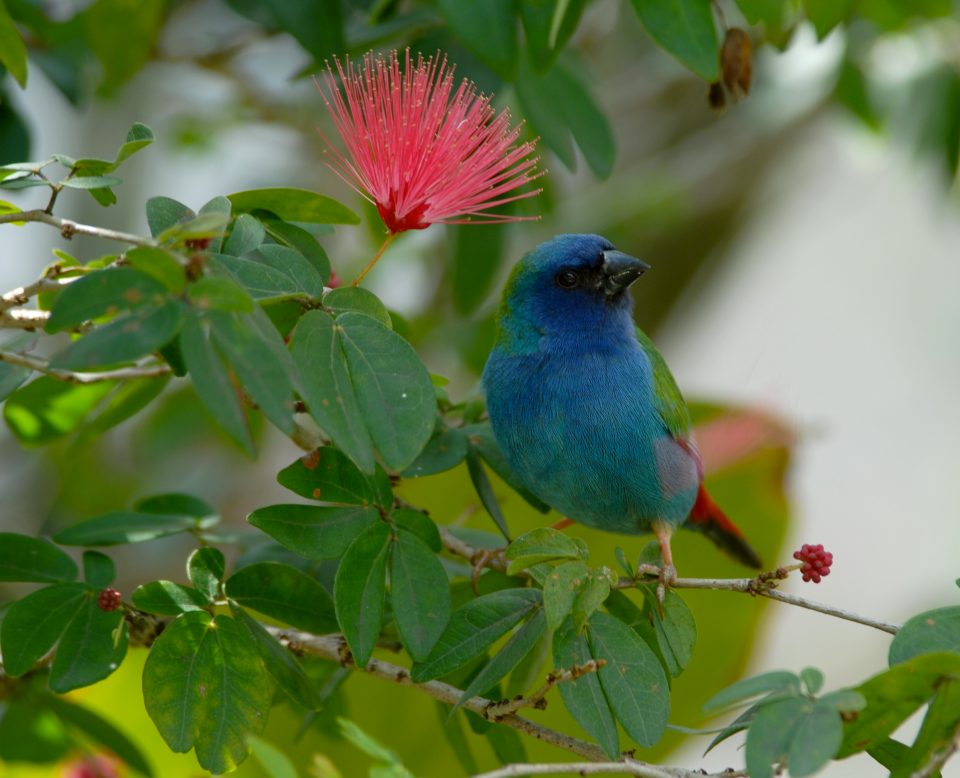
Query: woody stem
(372, 262)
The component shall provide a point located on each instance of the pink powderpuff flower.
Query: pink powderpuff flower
(423, 150)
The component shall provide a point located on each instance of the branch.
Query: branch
(70, 228)
(23, 320)
(537, 700)
(22, 294)
(119, 374)
(626, 767)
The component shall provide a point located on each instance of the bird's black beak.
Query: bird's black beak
(620, 270)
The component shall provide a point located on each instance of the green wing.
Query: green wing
(669, 403)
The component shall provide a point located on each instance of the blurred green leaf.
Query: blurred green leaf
(328, 476)
(293, 205)
(127, 400)
(166, 598)
(542, 544)
(118, 527)
(444, 451)
(548, 25)
(159, 264)
(13, 52)
(247, 234)
(205, 687)
(298, 239)
(33, 624)
(138, 136)
(359, 300)
(286, 594)
(90, 182)
(827, 14)
(771, 732)
(317, 25)
(11, 377)
(768, 12)
(937, 734)
(488, 28)
(219, 294)
(816, 740)
(212, 382)
(98, 569)
(30, 732)
(484, 489)
(473, 628)
(359, 590)
(104, 292)
(420, 594)
(274, 762)
(121, 35)
(420, 525)
(927, 633)
(477, 258)
(686, 29)
(124, 339)
(373, 749)
(47, 409)
(583, 696)
(24, 558)
(165, 212)
(774, 681)
(92, 646)
(314, 531)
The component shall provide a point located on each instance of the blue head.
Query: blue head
(569, 292)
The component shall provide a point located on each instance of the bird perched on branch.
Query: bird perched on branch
(584, 407)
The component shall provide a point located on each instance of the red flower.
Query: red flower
(423, 150)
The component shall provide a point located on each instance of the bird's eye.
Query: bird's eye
(568, 279)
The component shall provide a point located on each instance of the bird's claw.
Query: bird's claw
(666, 579)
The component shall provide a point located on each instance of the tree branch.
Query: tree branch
(23, 319)
(119, 374)
(498, 710)
(626, 767)
(70, 228)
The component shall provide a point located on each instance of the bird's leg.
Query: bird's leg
(668, 573)
(563, 524)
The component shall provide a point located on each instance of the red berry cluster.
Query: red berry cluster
(197, 244)
(816, 562)
(108, 600)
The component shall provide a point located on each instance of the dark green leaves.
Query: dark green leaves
(293, 205)
(686, 29)
(540, 545)
(926, 633)
(285, 594)
(327, 476)
(204, 687)
(23, 558)
(365, 385)
(102, 292)
(13, 53)
(47, 409)
(119, 527)
(420, 593)
(315, 532)
(488, 28)
(359, 590)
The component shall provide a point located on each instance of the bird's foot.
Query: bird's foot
(494, 558)
(666, 576)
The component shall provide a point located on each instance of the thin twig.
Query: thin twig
(119, 374)
(498, 710)
(626, 767)
(22, 294)
(70, 228)
(23, 320)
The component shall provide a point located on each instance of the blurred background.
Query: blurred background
(805, 244)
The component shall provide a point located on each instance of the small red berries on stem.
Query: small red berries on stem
(108, 600)
(816, 562)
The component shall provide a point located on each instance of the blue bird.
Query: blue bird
(584, 407)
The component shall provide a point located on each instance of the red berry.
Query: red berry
(334, 281)
(816, 562)
(108, 600)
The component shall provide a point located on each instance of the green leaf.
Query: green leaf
(279, 661)
(293, 205)
(98, 569)
(206, 226)
(358, 590)
(420, 594)
(122, 36)
(138, 136)
(204, 686)
(675, 631)
(584, 697)
(685, 28)
(558, 104)
(632, 678)
(165, 212)
(393, 389)
(927, 633)
(328, 476)
(299, 239)
(100, 731)
(213, 384)
(103, 292)
(542, 544)
(816, 741)
(893, 696)
(365, 743)
(488, 28)
(257, 354)
(317, 25)
(176, 504)
(560, 590)
(765, 683)
(167, 598)
(29, 732)
(92, 646)
(937, 733)
(327, 390)
(124, 339)
(286, 594)
(477, 256)
(812, 679)
(359, 300)
(445, 451)
(118, 527)
(33, 624)
(513, 652)
(314, 531)
(91, 182)
(275, 272)
(206, 568)
(13, 52)
(420, 525)
(770, 733)
(219, 294)
(827, 14)
(23, 558)
(484, 489)
(132, 396)
(273, 761)
(767, 12)
(47, 409)
(11, 377)
(473, 628)
(247, 234)
(219, 205)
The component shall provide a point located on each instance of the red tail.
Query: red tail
(707, 518)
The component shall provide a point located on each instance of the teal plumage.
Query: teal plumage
(585, 408)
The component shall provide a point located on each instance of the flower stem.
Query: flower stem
(386, 243)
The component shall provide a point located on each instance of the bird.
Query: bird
(585, 409)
